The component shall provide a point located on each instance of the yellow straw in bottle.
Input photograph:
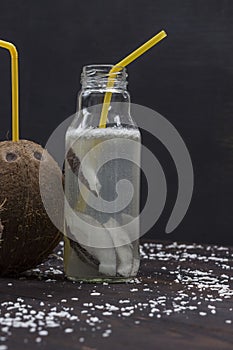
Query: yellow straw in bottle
(14, 87)
(111, 78)
(119, 66)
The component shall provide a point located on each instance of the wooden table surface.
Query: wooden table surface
(182, 299)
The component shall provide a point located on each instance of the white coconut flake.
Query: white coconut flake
(107, 313)
(3, 347)
(68, 330)
(95, 293)
(38, 340)
(43, 333)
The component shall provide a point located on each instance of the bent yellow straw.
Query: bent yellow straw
(111, 78)
(119, 66)
(14, 87)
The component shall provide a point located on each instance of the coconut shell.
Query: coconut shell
(27, 235)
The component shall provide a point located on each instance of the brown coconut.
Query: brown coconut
(27, 235)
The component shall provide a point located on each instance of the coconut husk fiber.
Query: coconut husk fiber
(27, 235)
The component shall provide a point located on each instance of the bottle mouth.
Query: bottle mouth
(101, 73)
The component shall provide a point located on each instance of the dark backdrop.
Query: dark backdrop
(188, 79)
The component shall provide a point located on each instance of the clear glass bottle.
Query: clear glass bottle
(102, 183)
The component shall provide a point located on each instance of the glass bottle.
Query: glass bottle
(102, 183)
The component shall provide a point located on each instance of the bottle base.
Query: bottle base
(100, 279)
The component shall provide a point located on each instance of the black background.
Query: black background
(188, 78)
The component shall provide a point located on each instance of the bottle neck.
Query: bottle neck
(96, 81)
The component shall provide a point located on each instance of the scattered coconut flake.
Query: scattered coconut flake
(68, 330)
(95, 293)
(38, 340)
(43, 333)
(3, 347)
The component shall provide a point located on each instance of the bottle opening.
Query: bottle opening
(99, 75)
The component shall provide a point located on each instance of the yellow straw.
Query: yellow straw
(14, 86)
(119, 66)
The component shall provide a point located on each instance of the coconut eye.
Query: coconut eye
(38, 155)
(11, 157)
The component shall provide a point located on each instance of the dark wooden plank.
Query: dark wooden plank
(183, 298)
